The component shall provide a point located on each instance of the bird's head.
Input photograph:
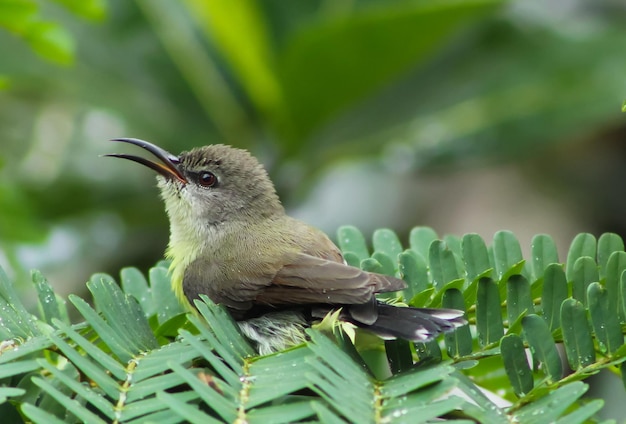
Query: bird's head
(210, 186)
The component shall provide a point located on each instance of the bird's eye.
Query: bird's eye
(207, 179)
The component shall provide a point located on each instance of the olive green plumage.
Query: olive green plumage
(231, 240)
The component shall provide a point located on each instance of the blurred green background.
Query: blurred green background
(467, 116)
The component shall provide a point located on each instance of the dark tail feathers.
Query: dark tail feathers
(414, 324)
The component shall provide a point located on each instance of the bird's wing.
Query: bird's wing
(310, 279)
(314, 275)
(203, 277)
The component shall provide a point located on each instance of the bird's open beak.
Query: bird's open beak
(169, 163)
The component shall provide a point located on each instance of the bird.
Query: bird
(231, 240)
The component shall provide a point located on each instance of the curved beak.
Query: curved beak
(168, 167)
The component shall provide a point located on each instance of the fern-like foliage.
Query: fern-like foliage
(137, 357)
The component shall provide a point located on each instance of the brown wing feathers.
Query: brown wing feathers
(313, 280)
(316, 281)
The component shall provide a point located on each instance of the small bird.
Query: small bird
(231, 240)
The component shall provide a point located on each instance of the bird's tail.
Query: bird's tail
(413, 324)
